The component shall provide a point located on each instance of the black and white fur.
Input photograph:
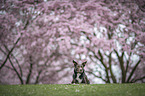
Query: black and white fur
(79, 75)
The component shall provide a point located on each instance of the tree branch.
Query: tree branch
(106, 69)
(25, 26)
(121, 62)
(30, 71)
(135, 80)
(21, 73)
(112, 75)
(133, 70)
(101, 60)
(37, 78)
(8, 55)
(9, 67)
(20, 78)
(128, 63)
(97, 76)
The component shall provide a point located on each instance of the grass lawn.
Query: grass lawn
(73, 90)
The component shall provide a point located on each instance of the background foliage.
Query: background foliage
(39, 39)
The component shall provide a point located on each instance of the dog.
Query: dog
(79, 76)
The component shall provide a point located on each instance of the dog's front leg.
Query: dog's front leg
(73, 81)
(85, 80)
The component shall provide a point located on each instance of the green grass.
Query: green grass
(73, 90)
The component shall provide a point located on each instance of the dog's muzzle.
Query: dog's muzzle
(79, 70)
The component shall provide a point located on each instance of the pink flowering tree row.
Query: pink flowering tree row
(39, 40)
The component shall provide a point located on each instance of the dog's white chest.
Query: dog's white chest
(79, 80)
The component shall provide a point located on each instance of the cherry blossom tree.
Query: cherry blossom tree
(40, 40)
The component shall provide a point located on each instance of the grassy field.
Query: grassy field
(73, 90)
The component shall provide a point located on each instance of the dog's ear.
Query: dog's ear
(84, 63)
(75, 63)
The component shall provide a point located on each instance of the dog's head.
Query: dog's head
(79, 68)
